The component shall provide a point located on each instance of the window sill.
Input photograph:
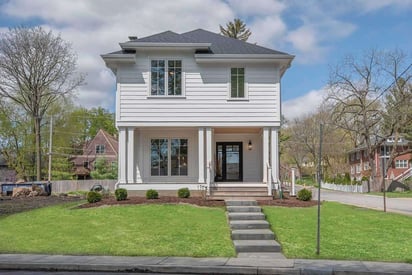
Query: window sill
(166, 97)
(238, 99)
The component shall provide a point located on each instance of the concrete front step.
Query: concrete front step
(246, 216)
(262, 255)
(252, 234)
(233, 197)
(240, 189)
(241, 203)
(256, 246)
(244, 209)
(256, 224)
(240, 193)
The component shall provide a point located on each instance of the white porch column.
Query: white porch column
(208, 158)
(201, 161)
(122, 161)
(265, 153)
(274, 154)
(130, 156)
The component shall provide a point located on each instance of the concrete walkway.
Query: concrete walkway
(195, 265)
(395, 205)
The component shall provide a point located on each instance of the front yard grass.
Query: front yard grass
(347, 233)
(132, 230)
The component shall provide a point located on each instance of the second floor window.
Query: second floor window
(401, 163)
(237, 82)
(166, 78)
(100, 149)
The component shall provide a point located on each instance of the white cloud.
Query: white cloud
(96, 27)
(303, 105)
(267, 30)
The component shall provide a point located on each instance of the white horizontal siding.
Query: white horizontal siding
(206, 94)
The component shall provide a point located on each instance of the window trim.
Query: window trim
(100, 146)
(169, 156)
(166, 95)
(403, 161)
(245, 85)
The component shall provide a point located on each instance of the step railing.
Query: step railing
(404, 175)
(269, 178)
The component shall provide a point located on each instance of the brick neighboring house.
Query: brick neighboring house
(6, 174)
(400, 168)
(103, 145)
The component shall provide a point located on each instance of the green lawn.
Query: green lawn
(347, 232)
(155, 230)
(406, 194)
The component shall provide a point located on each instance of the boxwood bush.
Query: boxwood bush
(120, 194)
(152, 194)
(304, 195)
(93, 197)
(183, 193)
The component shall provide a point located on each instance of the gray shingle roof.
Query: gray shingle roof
(219, 44)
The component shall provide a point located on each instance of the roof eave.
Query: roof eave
(112, 60)
(270, 58)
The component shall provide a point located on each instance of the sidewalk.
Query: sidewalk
(176, 265)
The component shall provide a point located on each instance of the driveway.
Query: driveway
(396, 205)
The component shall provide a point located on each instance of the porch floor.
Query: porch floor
(239, 190)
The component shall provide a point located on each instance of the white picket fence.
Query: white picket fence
(346, 187)
(64, 186)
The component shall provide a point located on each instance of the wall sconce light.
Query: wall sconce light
(249, 145)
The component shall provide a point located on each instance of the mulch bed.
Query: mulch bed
(9, 205)
(290, 202)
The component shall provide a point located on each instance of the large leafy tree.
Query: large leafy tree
(360, 89)
(36, 69)
(236, 29)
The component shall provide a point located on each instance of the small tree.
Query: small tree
(236, 29)
(103, 170)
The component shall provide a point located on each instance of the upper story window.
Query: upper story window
(100, 149)
(166, 78)
(401, 163)
(237, 83)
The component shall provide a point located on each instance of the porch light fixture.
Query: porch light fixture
(249, 145)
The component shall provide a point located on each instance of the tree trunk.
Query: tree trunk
(37, 122)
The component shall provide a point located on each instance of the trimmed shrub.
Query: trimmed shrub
(93, 197)
(152, 194)
(120, 194)
(304, 195)
(183, 193)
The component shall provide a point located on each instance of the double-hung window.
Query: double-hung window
(401, 163)
(166, 78)
(100, 149)
(237, 82)
(169, 157)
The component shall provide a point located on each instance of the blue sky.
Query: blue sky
(318, 33)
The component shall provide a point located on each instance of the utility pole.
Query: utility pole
(383, 176)
(50, 148)
(319, 183)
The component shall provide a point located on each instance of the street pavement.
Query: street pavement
(396, 205)
(55, 264)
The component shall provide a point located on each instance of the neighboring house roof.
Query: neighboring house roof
(89, 151)
(402, 142)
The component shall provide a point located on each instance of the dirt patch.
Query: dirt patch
(291, 202)
(9, 205)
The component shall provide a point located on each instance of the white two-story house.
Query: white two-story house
(197, 108)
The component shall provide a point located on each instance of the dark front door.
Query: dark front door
(229, 161)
